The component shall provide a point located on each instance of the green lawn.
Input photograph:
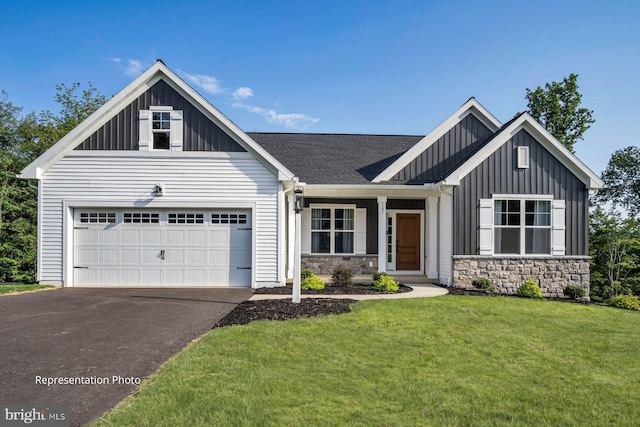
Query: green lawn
(12, 289)
(446, 361)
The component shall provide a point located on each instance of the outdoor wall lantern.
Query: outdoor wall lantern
(299, 199)
(158, 190)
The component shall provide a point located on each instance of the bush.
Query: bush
(306, 273)
(573, 292)
(630, 302)
(529, 289)
(385, 283)
(378, 274)
(312, 282)
(483, 284)
(341, 275)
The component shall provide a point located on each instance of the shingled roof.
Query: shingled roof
(335, 158)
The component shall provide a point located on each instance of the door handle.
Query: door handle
(162, 254)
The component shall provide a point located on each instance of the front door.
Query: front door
(408, 242)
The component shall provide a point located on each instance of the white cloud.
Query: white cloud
(207, 83)
(288, 120)
(131, 67)
(243, 93)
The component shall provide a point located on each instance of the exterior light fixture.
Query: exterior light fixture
(158, 190)
(299, 199)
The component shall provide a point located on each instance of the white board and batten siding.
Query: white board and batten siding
(123, 180)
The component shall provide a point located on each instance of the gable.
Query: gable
(498, 173)
(122, 131)
(445, 153)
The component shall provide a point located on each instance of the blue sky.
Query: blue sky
(396, 67)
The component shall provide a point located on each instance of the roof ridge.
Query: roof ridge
(332, 134)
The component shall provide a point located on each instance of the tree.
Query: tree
(557, 108)
(22, 139)
(622, 181)
(614, 246)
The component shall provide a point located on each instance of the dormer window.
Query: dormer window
(160, 129)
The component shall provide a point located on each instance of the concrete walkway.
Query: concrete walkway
(420, 285)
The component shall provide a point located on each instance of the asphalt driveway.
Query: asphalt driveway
(115, 334)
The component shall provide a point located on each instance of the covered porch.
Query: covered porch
(403, 230)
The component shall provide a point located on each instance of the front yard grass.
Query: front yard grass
(452, 360)
(12, 289)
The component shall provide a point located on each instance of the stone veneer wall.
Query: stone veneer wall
(321, 264)
(552, 274)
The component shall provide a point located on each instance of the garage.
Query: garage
(168, 247)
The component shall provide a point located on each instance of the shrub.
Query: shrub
(483, 284)
(385, 283)
(312, 282)
(306, 273)
(378, 274)
(529, 289)
(341, 275)
(630, 302)
(573, 292)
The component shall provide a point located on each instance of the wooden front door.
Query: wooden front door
(408, 242)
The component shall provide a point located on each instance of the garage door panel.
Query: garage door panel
(130, 236)
(219, 237)
(129, 248)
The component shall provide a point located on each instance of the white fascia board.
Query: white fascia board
(542, 136)
(329, 190)
(470, 107)
(127, 95)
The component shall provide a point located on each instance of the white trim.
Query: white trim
(68, 206)
(544, 138)
(39, 216)
(432, 222)
(470, 107)
(126, 96)
(382, 227)
(291, 233)
(522, 196)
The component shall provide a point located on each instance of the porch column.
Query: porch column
(432, 220)
(291, 233)
(382, 233)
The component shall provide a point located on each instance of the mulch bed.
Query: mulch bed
(356, 289)
(284, 309)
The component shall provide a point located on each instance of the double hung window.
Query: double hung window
(522, 227)
(332, 230)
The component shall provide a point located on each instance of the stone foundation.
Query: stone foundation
(321, 264)
(552, 274)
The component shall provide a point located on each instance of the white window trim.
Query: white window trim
(332, 230)
(487, 225)
(145, 128)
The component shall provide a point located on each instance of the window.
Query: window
(186, 218)
(161, 129)
(141, 218)
(522, 226)
(332, 230)
(228, 218)
(97, 217)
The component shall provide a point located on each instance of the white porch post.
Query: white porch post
(296, 263)
(432, 220)
(291, 234)
(382, 233)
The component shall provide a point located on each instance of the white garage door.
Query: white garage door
(162, 247)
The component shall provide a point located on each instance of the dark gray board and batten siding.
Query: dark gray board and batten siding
(446, 153)
(499, 174)
(121, 132)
